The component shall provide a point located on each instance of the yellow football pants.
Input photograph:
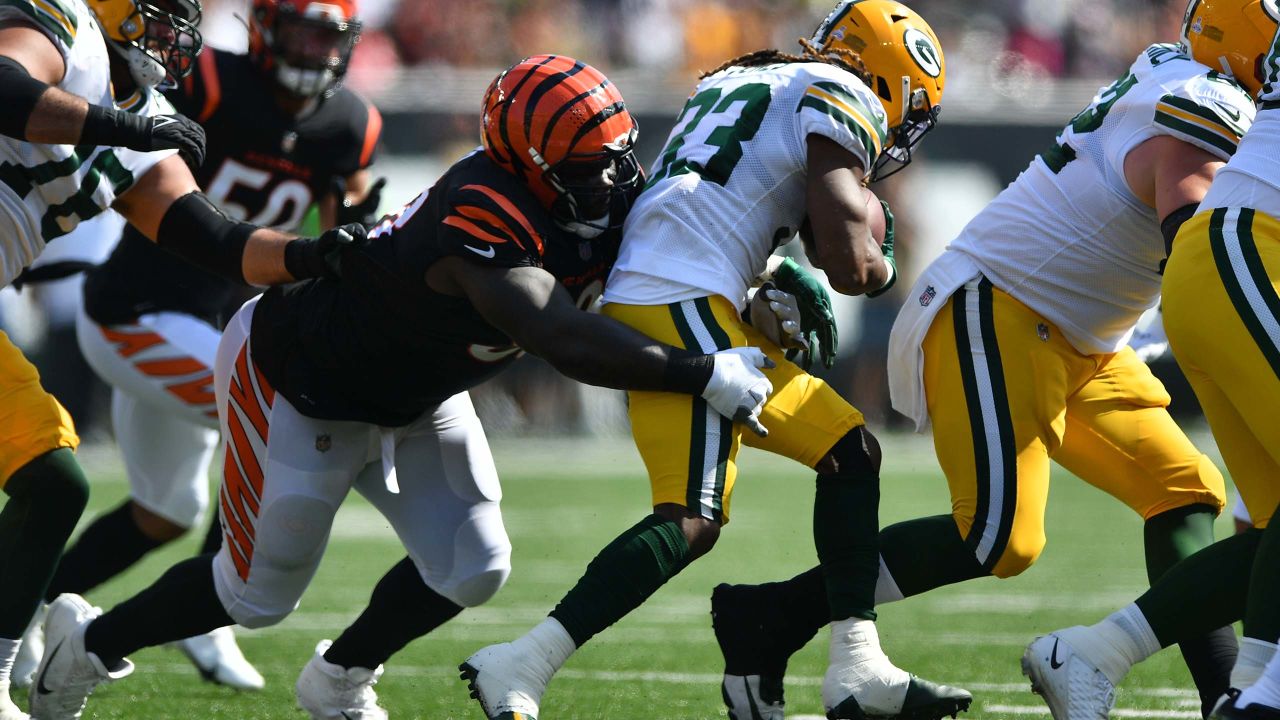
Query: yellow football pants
(1006, 392)
(1222, 314)
(32, 422)
(689, 449)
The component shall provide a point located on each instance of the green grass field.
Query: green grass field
(566, 499)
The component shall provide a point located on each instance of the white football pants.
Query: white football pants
(285, 475)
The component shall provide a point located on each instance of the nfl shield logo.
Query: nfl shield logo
(323, 442)
(927, 296)
(1042, 331)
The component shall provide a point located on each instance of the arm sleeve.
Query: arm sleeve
(483, 225)
(845, 115)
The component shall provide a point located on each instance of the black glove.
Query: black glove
(321, 257)
(364, 212)
(117, 128)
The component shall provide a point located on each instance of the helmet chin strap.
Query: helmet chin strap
(145, 69)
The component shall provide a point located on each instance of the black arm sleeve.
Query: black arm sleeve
(1173, 221)
(19, 93)
(199, 232)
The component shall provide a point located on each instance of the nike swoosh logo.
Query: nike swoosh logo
(1053, 656)
(40, 686)
(1229, 111)
(486, 253)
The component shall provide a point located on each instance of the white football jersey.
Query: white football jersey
(1068, 238)
(46, 190)
(729, 185)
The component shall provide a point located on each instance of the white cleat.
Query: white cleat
(219, 659)
(8, 710)
(30, 651)
(862, 683)
(1069, 681)
(753, 697)
(332, 692)
(507, 685)
(68, 673)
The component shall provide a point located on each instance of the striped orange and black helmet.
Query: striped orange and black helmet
(560, 126)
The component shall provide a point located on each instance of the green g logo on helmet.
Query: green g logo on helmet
(922, 51)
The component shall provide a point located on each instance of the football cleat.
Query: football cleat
(754, 665)
(31, 649)
(332, 692)
(507, 685)
(753, 697)
(68, 673)
(923, 700)
(1069, 681)
(1227, 709)
(219, 660)
(862, 684)
(8, 710)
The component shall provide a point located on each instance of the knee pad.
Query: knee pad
(476, 589)
(292, 531)
(857, 454)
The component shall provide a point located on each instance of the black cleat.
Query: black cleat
(754, 665)
(1227, 710)
(924, 701)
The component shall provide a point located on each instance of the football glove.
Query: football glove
(737, 389)
(777, 316)
(119, 128)
(886, 248)
(817, 321)
(321, 257)
(364, 212)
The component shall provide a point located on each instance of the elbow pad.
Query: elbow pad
(1173, 222)
(204, 236)
(19, 93)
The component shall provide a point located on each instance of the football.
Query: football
(875, 215)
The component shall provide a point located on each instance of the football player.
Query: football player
(287, 137)
(1013, 344)
(84, 130)
(1221, 309)
(765, 141)
(327, 386)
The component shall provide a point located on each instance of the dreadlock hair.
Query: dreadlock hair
(840, 57)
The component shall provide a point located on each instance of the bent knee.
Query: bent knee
(476, 589)
(856, 454)
(1020, 554)
(258, 618)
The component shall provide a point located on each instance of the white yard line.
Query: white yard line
(1042, 711)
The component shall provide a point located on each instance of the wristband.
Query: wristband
(687, 372)
(110, 127)
(892, 266)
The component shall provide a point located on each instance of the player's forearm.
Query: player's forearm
(599, 351)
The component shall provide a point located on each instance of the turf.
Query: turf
(566, 499)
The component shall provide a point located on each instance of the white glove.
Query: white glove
(776, 314)
(1149, 340)
(737, 389)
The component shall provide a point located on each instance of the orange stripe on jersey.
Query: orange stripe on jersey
(170, 367)
(372, 131)
(473, 229)
(267, 392)
(484, 216)
(244, 502)
(511, 210)
(244, 451)
(239, 547)
(212, 85)
(241, 392)
(130, 344)
(195, 392)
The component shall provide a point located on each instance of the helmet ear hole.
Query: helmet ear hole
(882, 89)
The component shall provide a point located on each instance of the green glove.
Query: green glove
(886, 247)
(817, 322)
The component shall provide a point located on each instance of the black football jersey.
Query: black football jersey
(263, 166)
(380, 346)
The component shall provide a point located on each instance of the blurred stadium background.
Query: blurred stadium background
(1016, 71)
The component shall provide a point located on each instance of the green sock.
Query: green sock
(927, 553)
(1262, 619)
(846, 529)
(1203, 592)
(1169, 538)
(46, 497)
(622, 576)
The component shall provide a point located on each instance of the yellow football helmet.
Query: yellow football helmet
(157, 38)
(904, 58)
(1231, 36)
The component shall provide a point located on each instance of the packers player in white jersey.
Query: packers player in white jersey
(1013, 345)
(83, 130)
(763, 142)
(1222, 316)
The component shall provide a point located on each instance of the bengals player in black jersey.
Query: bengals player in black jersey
(282, 135)
(361, 383)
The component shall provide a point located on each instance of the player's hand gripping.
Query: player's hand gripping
(776, 315)
(146, 133)
(307, 258)
(813, 303)
(177, 132)
(364, 212)
(737, 389)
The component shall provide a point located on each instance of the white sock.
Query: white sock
(548, 641)
(866, 672)
(1266, 690)
(1254, 656)
(1130, 636)
(8, 653)
(886, 587)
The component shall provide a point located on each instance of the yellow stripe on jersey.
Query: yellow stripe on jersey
(49, 16)
(872, 131)
(131, 103)
(1200, 124)
(56, 12)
